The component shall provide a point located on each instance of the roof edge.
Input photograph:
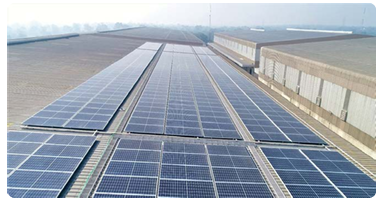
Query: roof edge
(40, 38)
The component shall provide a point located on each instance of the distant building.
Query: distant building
(243, 47)
(333, 81)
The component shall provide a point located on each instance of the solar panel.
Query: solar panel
(303, 179)
(203, 50)
(179, 99)
(346, 176)
(265, 120)
(184, 170)
(235, 173)
(150, 46)
(92, 104)
(178, 48)
(45, 168)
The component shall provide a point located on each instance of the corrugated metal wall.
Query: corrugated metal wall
(292, 76)
(309, 87)
(241, 49)
(279, 72)
(362, 113)
(262, 65)
(269, 68)
(333, 97)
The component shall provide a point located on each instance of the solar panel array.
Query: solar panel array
(149, 114)
(189, 106)
(265, 120)
(40, 164)
(178, 48)
(92, 104)
(331, 176)
(346, 176)
(182, 170)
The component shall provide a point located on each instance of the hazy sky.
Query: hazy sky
(196, 14)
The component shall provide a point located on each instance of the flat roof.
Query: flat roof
(280, 36)
(42, 71)
(356, 55)
(156, 34)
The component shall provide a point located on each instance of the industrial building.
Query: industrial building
(244, 46)
(149, 112)
(333, 81)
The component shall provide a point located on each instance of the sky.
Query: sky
(196, 14)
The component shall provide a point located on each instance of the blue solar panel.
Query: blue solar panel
(42, 168)
(24, 148)
(178, 48)
(264, 119)
(16, 136)
(92, 104)
(15, 160)
(203, 50)
(143, 186)
(102, 195)
(172, 188)
(198, 189)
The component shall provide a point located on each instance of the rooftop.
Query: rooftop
(40, 72)
(157, 35)
(261, 37)
(356, 55)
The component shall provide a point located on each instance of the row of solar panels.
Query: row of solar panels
(179, 99)
(313, 174)
(41, 164)
(143, 169)
(162, 169)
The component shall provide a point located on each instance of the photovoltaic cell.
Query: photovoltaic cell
(40, 168)
(264, 119)
(92, 104)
